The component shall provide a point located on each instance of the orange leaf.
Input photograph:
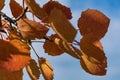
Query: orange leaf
(6, 75)
(16, 9)
(93, 68)
(2, 3)
(55, 4)
(93, 21)
(36, 9)
(33, 70)
(51, 48)
(46, 69)
(62, 26)
(92, 48)
(30, 29)
(14, 55)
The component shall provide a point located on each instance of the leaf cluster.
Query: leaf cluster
(18, 34)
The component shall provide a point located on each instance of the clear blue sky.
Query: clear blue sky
(68, 68)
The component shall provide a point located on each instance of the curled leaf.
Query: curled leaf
(92, 48)
(51, 48)
(6, 75)
(33, 70)
(92, 68)
(93, 21)
(46, 69)
(30, 29)
(16, 9)
(61, 25)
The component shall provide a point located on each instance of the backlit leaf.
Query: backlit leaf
(62, 26)
(93, 68)
(30, 29)
(2, 3)
(51, 48)
(66, 47)
(33, 70)
(14, 55)
(6, 75)
(93, 21)
(16, 9)
(36, 9)
(92, 48)
(46, 69)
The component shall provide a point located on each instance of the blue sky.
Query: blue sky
(68, 68)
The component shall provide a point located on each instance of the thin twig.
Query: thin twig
(34, 51)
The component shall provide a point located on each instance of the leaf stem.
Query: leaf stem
(34, 51)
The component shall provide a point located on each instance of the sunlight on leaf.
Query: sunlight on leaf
(31, 29)
(62, 26)
(46, 69)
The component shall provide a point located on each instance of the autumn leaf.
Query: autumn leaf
(46, 69)
(93, 21)
(62, 26)
(93, 68)
(66, 47)
(55, 4)
(6, 75)
(36, 9)
(2, 3)
(33, 70)
(30, 29)
(92, 48)
(51, 48)
(14, 55)
(16, 9)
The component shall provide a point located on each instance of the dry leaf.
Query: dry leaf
(6, 75)
(93, 21)
(30, 29)
(51, 48)
(36, 9)
(14, 55)
(46, 69)
(2, 3)
(55, 4)
(62, 26)
(16, 9)
(92, 48)
(93, 68)
(33, 70)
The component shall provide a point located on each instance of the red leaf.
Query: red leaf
(2, 3)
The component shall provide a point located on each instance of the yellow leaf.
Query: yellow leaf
(62, 26)
(16, 9)
(46, 69)
(31, 29)
(6, 75)
(2, 3)
(36, 9)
